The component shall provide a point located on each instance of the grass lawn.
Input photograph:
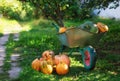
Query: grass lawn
(1, 34)
(41, 36)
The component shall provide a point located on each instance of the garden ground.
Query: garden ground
(39, 35)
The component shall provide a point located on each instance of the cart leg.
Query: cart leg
(81, 51)
(72, 49)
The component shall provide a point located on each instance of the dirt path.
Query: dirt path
(15, 68)
(13, 73)
(3, 41)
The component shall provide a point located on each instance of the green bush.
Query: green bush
(16, 10)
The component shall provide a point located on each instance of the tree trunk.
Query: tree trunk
(36, 12)
(59, 22)
(59, 16)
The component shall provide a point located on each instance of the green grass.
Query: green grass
(41, 36)
(1, 34)
(9, 50)
(8, 25)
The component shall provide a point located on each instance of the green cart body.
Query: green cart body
(79, 38)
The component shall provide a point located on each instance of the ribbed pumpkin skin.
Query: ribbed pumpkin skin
(62, 29)
(61, 58)
(48, 54)
(36, 64)
(102, 27)
(62, 68)
(46, 68)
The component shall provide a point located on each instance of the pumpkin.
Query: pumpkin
(46, 68)
(62, 68)
(61, 58)
(41, 59)
(36, 64)
(48, 54)
(62, 29)
(102, 27)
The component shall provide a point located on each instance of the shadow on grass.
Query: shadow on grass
(4, 76)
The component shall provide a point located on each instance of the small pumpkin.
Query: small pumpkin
(62, 29)
(36, 64)
(61, 58)
(48, 54)
(46, 68)
(102, 27)
(62, 68)
(50, 61)
(41, 59)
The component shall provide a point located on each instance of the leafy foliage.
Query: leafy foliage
(61, 9)
(15, 10)
(58, 10)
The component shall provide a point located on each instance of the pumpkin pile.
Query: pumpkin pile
(50, 62)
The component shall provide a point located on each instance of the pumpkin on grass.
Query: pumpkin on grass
(62, 68)
(48, 54)
(61, 58)
(46, 68)
(36, 64)
(49, 62)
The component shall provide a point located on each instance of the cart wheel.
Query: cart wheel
(89, 58)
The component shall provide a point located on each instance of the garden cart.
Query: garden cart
(81, 39)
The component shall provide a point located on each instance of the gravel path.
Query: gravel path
(3, 41)
(13, 73)
(15, 69)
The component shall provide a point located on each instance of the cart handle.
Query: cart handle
(56, 26)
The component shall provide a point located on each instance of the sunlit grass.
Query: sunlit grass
(11, 26)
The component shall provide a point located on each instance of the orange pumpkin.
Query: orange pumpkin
(46, 68)
(48, 54)
(41, 59)
(62, 29)
(102, 27)
(61, 58)
(62, 68)
(36, 64)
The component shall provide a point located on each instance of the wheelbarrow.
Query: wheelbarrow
(82, 40)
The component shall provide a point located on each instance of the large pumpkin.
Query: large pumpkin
(36, 64)
(46, 68)
(102, 27)
(61, 58)
(48, 54)
(62, 68)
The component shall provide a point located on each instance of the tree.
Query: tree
(59, 9)
(54, 9)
